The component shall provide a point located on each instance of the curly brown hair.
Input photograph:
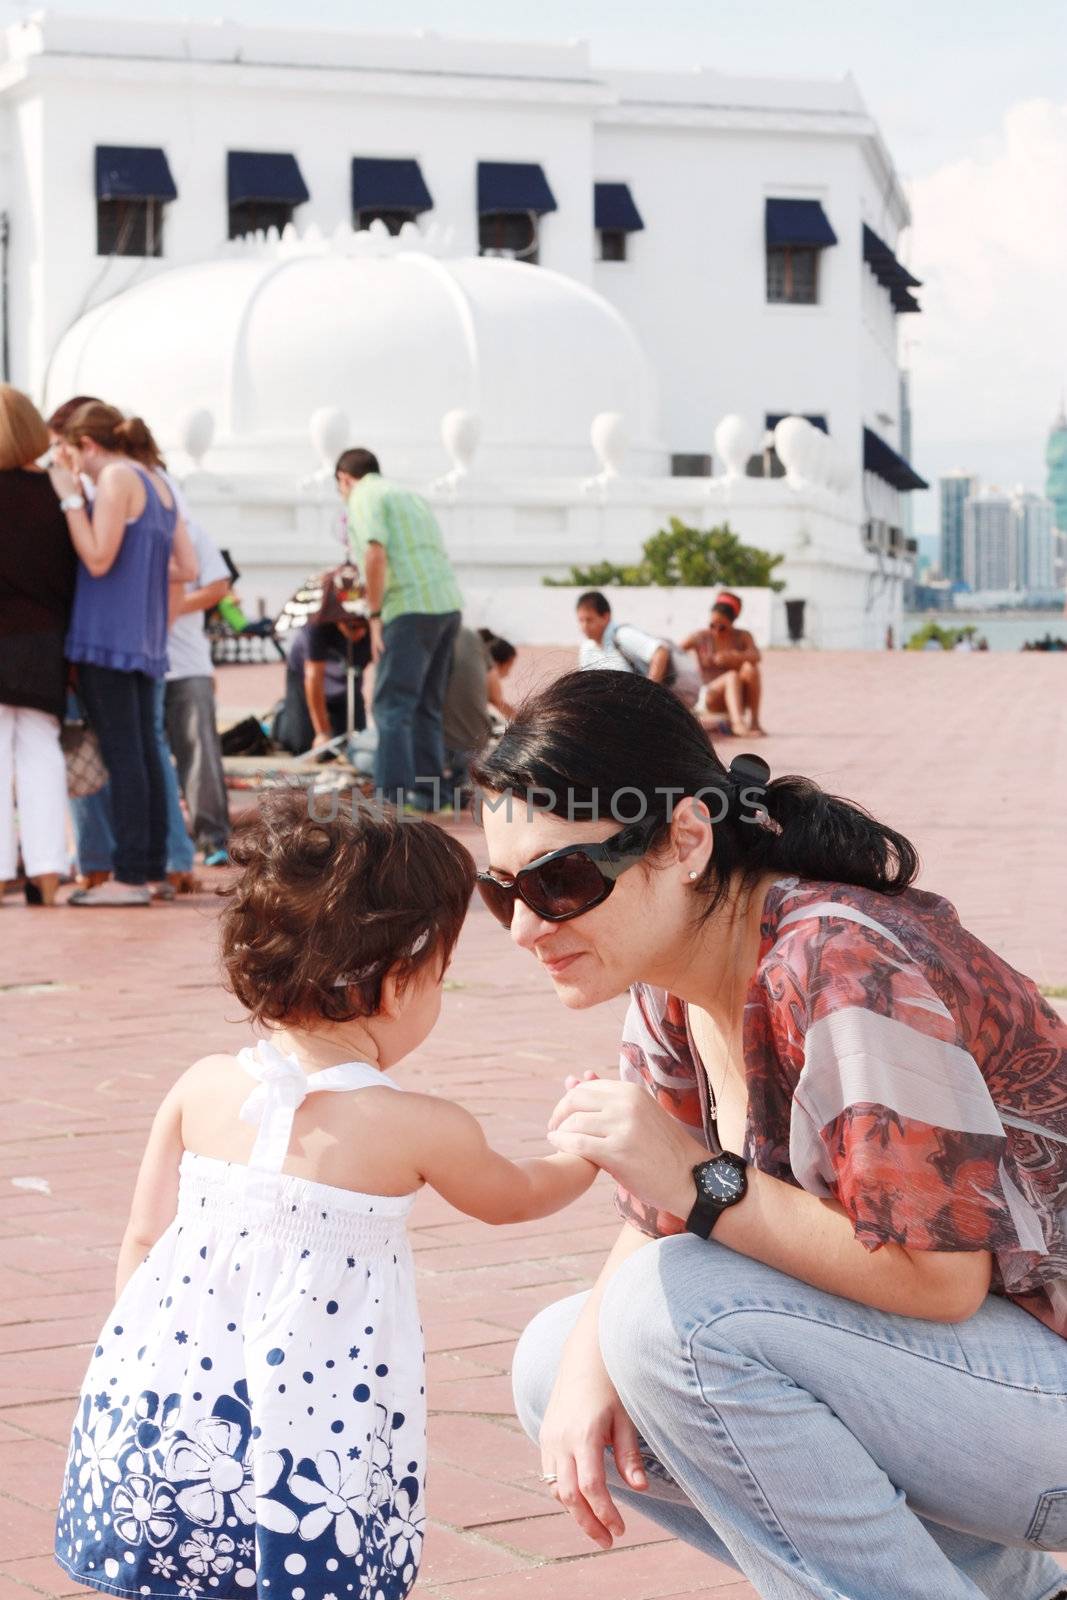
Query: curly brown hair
(326, 906)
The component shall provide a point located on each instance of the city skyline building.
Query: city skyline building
(1034, 542)
(1008, 541)
(989, 554)
(1056, 462)
(954, 490)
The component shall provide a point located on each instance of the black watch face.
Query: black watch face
(720, 1181)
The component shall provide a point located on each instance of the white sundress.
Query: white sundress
(253, 1420)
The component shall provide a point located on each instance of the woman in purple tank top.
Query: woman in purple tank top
(130, 551)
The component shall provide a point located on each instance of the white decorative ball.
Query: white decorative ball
(609, 440)
(735, 442)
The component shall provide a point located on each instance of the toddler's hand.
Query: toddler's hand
(571, 1081)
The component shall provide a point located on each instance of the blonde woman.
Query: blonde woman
(37, 574)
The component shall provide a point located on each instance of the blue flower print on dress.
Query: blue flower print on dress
(262, 1452)
(143, 1511)
(217, 1479)
(208, 1554)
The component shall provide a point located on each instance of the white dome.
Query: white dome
(394, 340)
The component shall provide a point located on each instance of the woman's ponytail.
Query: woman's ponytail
(136, 440)
(813, 834)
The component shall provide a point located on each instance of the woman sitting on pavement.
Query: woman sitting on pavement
(829, 1347)
(502, 656)
(331, 642)
(729, 666)
(134, 546)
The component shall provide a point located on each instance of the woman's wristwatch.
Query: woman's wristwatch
(72, 502)
(720, 1183)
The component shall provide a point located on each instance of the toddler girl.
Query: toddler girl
(253, 1418)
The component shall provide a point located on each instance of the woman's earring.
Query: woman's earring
(694, 875)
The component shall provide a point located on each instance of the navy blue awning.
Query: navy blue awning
(881, 459)
(507, 188)
(798, 222)
(614, 208)
(259, 175)
(775, 417)
(133, 172)
(891, 274)
(389, 183)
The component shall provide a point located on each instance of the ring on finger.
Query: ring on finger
(549, 1477)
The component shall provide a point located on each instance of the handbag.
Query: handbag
(86, 772)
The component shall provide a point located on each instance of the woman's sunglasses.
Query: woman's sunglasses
(566, 883)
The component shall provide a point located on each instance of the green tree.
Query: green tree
(946, 637)
(680, 555)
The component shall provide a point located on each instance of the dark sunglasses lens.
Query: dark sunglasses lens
(499, 897)
(565, 887)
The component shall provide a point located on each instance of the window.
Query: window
(690, 466)
(256, 216)
(129, 227)
(792, 275)
(612, 244)
(394, 219)
(507, 233)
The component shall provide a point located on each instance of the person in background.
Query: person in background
(37, 575)
(316, 676)
(623, 647)
(479, 661)
(502, 657)
(94, 833)
(191, 725)
(135, 545)
(414, 603)
(729, 667)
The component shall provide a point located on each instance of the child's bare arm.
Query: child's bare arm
(155, 1197)
(454, 1158)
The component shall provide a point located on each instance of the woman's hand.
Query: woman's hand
(621, 1128)
(63, 481)
(585, 1417)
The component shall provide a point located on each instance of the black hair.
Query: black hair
(720, 610)
(593, 597)
(631, 749)
(501, 651)
(357, 463)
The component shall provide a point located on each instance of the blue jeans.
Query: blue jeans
(94, 834)
(409, 695)
(823, 1448)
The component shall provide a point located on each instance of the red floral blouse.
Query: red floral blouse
(898, 1066)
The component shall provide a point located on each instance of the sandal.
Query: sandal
(112, 894)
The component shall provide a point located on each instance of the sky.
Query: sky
(972, 101)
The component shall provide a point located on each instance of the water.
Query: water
(1005, 630)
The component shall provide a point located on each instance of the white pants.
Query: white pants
(33, 770)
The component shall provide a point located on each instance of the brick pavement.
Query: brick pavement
(966, 753)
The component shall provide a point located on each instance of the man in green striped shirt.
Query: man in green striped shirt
(415, 604)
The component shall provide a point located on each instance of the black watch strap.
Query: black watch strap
(721, 1182)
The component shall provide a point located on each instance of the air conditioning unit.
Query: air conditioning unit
(874, 535)
(895, 541)
(911, 547)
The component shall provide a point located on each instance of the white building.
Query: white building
(1008, 541)
(1036, 541)
(707, 248)
(989, 541)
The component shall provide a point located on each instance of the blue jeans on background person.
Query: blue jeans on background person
(94, 834)
(409, 695)
(821, 1447)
